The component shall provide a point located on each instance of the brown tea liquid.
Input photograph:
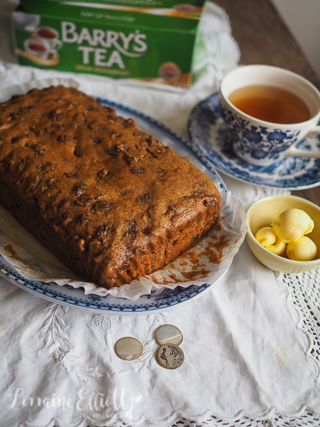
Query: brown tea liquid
(46, 33)
(271, 104)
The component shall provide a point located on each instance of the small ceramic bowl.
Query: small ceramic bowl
(262, 213)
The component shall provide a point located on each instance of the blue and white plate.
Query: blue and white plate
(158, 300)
(208, 133)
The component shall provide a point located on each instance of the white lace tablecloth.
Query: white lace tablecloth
(251, 343)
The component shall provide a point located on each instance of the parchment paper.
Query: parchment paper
(194, 267)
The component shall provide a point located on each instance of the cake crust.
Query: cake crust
(109, 200)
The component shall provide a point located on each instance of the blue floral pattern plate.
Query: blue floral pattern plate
(208, 133)
(158, 300)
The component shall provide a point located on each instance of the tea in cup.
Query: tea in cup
(49, 36)
(267, 110)
(37, 47)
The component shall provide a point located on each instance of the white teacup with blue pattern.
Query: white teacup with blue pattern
(260, 142)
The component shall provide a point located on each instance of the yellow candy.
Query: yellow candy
(303, 249)
(278, 248)
(269, 240)
(292, 224)
(266, 236)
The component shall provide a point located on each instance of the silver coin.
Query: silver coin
(128, 348)
(169, 334)
(170, 356)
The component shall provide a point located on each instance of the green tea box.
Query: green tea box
(155, 41)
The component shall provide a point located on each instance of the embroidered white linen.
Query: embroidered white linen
(245, 351)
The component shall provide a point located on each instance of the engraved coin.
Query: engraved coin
(128, 348)
(170, 356)
(169, 334)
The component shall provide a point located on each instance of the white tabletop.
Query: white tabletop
(251, 342)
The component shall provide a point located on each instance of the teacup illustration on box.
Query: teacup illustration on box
(37, 47)
(42, 47)
(50, 36)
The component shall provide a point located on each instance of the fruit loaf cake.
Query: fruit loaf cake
(109, 200)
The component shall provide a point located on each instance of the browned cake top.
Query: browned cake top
(93, 176)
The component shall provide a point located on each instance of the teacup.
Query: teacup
(37, 47)
(259, 141)
(50, 36)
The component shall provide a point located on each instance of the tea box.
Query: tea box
(155, 41)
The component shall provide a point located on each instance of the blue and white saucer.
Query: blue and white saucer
(208, 132)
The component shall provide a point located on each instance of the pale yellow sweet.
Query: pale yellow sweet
(278, 248)
(268, 239)
(303, 249)
(266, 236)
(292, 224)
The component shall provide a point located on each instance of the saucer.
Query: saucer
(208, 132)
